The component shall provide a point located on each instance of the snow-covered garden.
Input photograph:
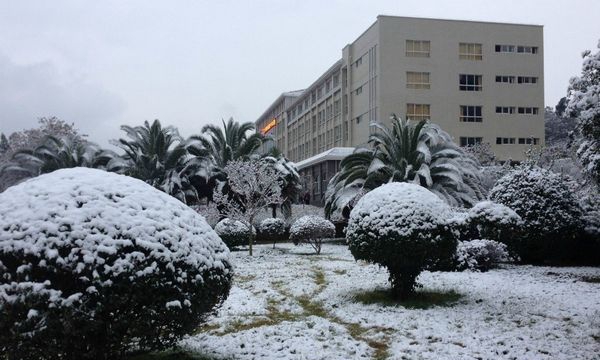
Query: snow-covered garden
(424, 250)
(285, 304)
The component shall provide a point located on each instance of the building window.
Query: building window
(337, 133)
(417, 112)
(504, 141)
(470, 82)
(418, 48)
(336, 80)
(529, 141)
(528, 110)
(358, 90)
(505, 79)
(505, 48)
(337, 108)
(417, 80)
(345, 131)
(358, 62)
(470, 141)
(470, 113)
(470, 51)
(358, 119)
(527, 49)
(527, 80)
(505, 109)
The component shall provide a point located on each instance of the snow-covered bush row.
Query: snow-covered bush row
(547, 206)
(272, 229)
(95, 264)
(402, 227)
(490, 220)
(312, 230)
(234, 233)
(480, 255)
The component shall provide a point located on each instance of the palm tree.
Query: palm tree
(230, 143)
(420, 153)
(160, 157)
(54, 153)
(222, 145)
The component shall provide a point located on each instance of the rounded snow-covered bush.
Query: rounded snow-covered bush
(272, 229)
(404, 228)
(234, 233)
(493, 221)
(480, 255)
(95, 264)
(551, 214)
(311, 229)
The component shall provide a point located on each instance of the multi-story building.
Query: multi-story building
(481, 82)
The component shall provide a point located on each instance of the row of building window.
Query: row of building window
(466, 51)
(468, 113)
(474, 140)
(521, 49)
(510, 79)
(523, 110)
(467, 82)
(522, 141)
(327, 86)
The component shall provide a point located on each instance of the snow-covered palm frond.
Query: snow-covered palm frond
(421, 153)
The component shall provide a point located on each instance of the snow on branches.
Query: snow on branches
(584, 103)
(251, 186)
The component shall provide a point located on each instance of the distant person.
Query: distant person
(307, 198)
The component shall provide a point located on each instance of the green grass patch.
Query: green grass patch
(420, 300)
(312, 308)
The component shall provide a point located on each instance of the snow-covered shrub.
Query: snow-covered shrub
(272, 229)
(311, 229)
(490, 220)
(402, 227)
(480, 255)
(94, 264)
(234, 233)
(551, 214)
(458, 223)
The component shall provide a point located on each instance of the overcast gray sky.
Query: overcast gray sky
(101, 64)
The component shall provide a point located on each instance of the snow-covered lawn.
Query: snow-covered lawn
(288, 305)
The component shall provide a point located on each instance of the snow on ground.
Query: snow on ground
(286, 304)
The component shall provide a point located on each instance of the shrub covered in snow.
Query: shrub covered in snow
(480, 255)
(489, 220)
(234, 233)
(311, 229)
(272, 229)
(544, 201)
(402, 227)
(94, 264)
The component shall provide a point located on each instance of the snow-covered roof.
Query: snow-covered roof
(279, 99)
(294, 93)
(336, 153)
